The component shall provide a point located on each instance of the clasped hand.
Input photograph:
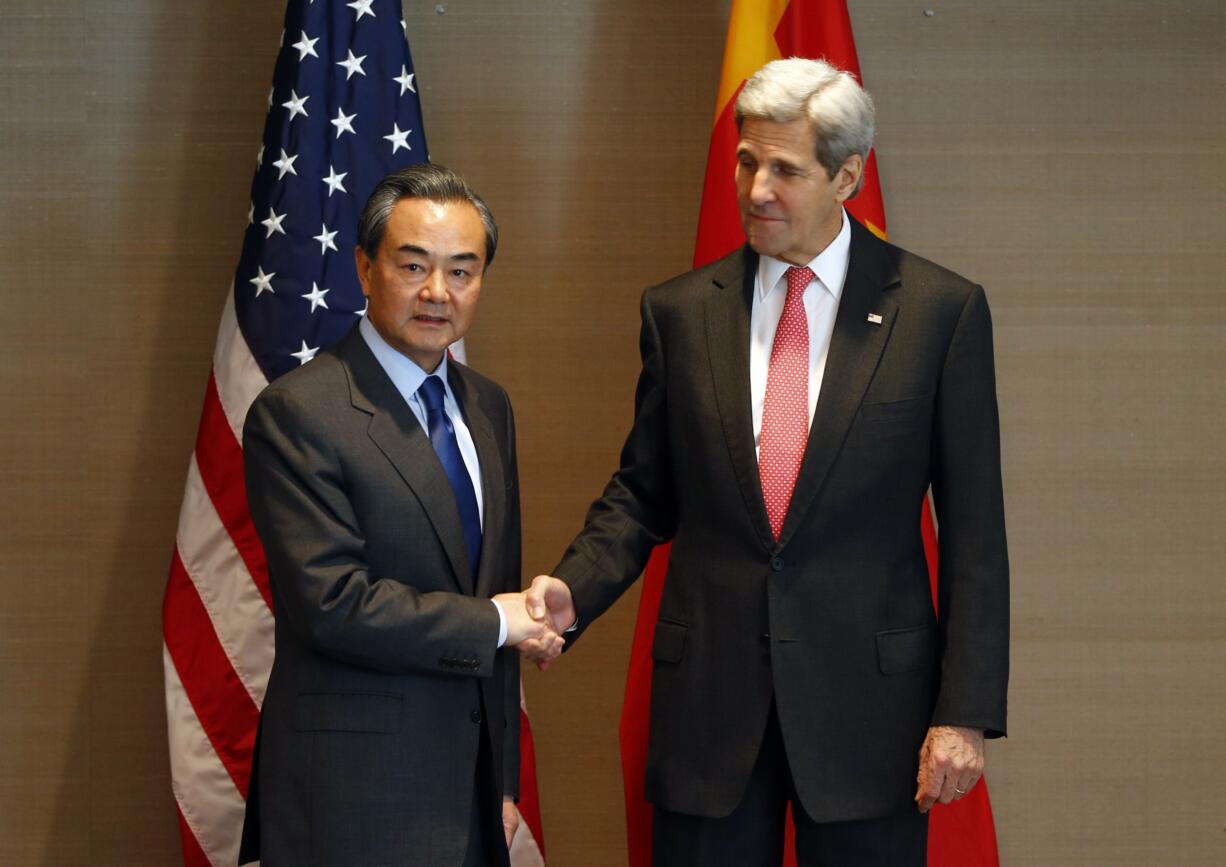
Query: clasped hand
(537, 617)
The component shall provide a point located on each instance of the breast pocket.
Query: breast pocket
(894, 419)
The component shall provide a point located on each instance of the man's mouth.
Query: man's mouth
(426, 317)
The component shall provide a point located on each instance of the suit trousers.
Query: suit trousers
(487, 845)
(752, 835)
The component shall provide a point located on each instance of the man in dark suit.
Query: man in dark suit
(797, 400)
(382, 481)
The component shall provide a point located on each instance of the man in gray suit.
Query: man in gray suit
(797, 400)
(382, 481)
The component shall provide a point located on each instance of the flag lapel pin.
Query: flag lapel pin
(874, 318)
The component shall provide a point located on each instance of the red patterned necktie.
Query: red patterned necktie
(785, 412)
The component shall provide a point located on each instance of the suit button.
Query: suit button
(777, 564)
(475, 716)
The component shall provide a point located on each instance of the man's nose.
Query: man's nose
(761, 190)
(435, 288)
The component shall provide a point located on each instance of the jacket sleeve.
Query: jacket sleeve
(322, 587)
(973, 577)
(637, 510)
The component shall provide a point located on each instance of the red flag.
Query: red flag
(528, 845)
(759, 31)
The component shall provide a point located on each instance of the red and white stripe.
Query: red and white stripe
(217, 623)
(217, 628)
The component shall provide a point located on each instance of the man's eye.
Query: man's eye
(412, 266)
(459, 272)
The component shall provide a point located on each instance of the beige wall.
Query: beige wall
(1067, 155)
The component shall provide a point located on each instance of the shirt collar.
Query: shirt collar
(403, 371)
(829, 266)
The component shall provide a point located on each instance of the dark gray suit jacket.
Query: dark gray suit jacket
(386, 674)
(835, 620)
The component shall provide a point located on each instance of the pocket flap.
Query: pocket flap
(892, 409)
(669, 643)
(900, 650)
(347, 712)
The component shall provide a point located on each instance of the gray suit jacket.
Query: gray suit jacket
(386, 674)
(834, 621)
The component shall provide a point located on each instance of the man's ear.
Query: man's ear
(849, 177)
(363, 265)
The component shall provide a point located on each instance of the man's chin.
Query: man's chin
(760, 241)
(762, 248)
(429, 331)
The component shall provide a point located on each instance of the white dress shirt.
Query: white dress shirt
(821, 299)
(408, 378)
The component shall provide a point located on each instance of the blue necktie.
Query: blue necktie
(442, 437)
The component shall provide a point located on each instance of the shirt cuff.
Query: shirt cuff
(502, 624)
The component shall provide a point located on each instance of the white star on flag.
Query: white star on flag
(352, 64)
(399, 139)
(263, 282)
(305, 354)
(362, 7)
(343, 122)
(405, 80)
(365, 307)
(305, 46)
(285, 164)
(325, 241)
(273, 223)
(335, 181)
(295, 105)
(316, 296)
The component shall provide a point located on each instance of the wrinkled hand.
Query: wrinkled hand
(950, 764)
(532, 637)
(549, 596)
(510, 819)
(549, 599)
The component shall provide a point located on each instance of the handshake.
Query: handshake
(537, 617)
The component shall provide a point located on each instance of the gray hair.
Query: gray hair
(429, 181)
(840, 110)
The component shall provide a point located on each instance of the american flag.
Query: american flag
(343, 111)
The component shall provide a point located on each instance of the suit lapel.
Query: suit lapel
(855, 350)
(727, 319)
(493, 482)
(398, 434)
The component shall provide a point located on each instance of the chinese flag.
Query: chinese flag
(759, 31)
